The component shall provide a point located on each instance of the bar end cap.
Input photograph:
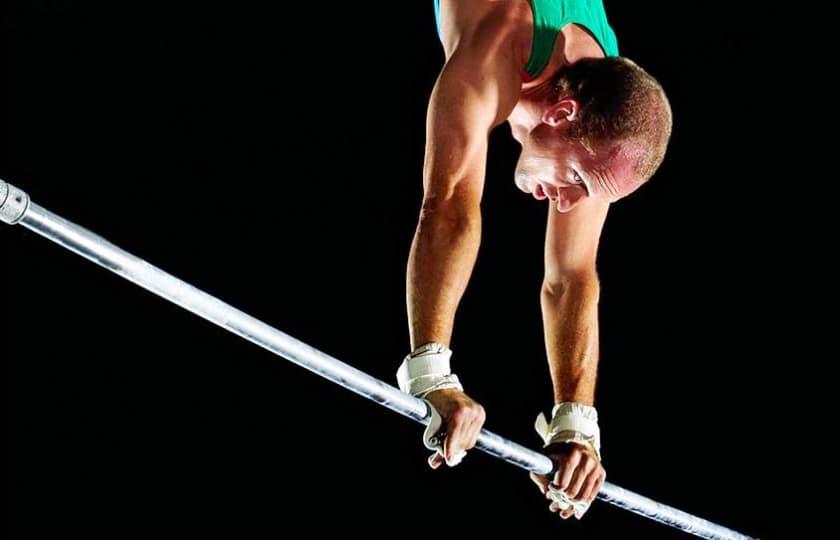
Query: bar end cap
(13, 203)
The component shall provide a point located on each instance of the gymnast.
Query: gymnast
(593, 128)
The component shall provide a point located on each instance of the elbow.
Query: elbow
(583, 282)
(451, 213)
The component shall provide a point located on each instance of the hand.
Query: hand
(462, 420)
(579, 474)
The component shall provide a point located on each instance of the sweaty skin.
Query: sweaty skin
(482, 85)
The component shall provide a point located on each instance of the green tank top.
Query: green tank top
(550, 16)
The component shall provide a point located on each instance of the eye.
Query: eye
(578, 181)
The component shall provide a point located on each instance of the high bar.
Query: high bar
(17, 208)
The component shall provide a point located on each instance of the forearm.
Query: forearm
(570, 319)
(442, 257)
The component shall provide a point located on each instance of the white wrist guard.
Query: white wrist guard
(571, 422)
(426, 370)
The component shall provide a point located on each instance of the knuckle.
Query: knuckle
(564, 467)
(459, 413)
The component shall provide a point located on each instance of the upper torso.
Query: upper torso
(543, 33)
(484, 83)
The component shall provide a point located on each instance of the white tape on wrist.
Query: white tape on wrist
(427, 369)
(571, 422)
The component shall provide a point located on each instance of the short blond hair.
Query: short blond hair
(619, 102)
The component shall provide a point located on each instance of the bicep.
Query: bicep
(571, 240)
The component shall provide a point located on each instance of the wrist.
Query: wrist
(427, 369)
(571, 422)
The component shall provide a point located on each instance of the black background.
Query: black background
(271, 153)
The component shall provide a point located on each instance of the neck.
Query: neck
(573, 44)
(532, 103)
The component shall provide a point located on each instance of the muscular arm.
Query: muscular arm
(476, 91)
(569, 300)
(448, 232)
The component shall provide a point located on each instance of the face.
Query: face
(566, 172)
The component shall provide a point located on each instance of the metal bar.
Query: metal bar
(15, 207)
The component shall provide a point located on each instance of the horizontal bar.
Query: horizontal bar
(15, 207)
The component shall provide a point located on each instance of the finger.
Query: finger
(435, 460)
(475, 429)
(541, 482)
(584, 470)
(567, 513)
(452, 451)
(450, 443)
(592, 486)
(457, 458)
(599, 484)
(554, 507)
(470, 434)
(456, 436)
(567, 470)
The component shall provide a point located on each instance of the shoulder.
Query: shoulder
(484, 24)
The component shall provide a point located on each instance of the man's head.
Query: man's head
(603, 133)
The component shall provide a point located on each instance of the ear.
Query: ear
(565, 110)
